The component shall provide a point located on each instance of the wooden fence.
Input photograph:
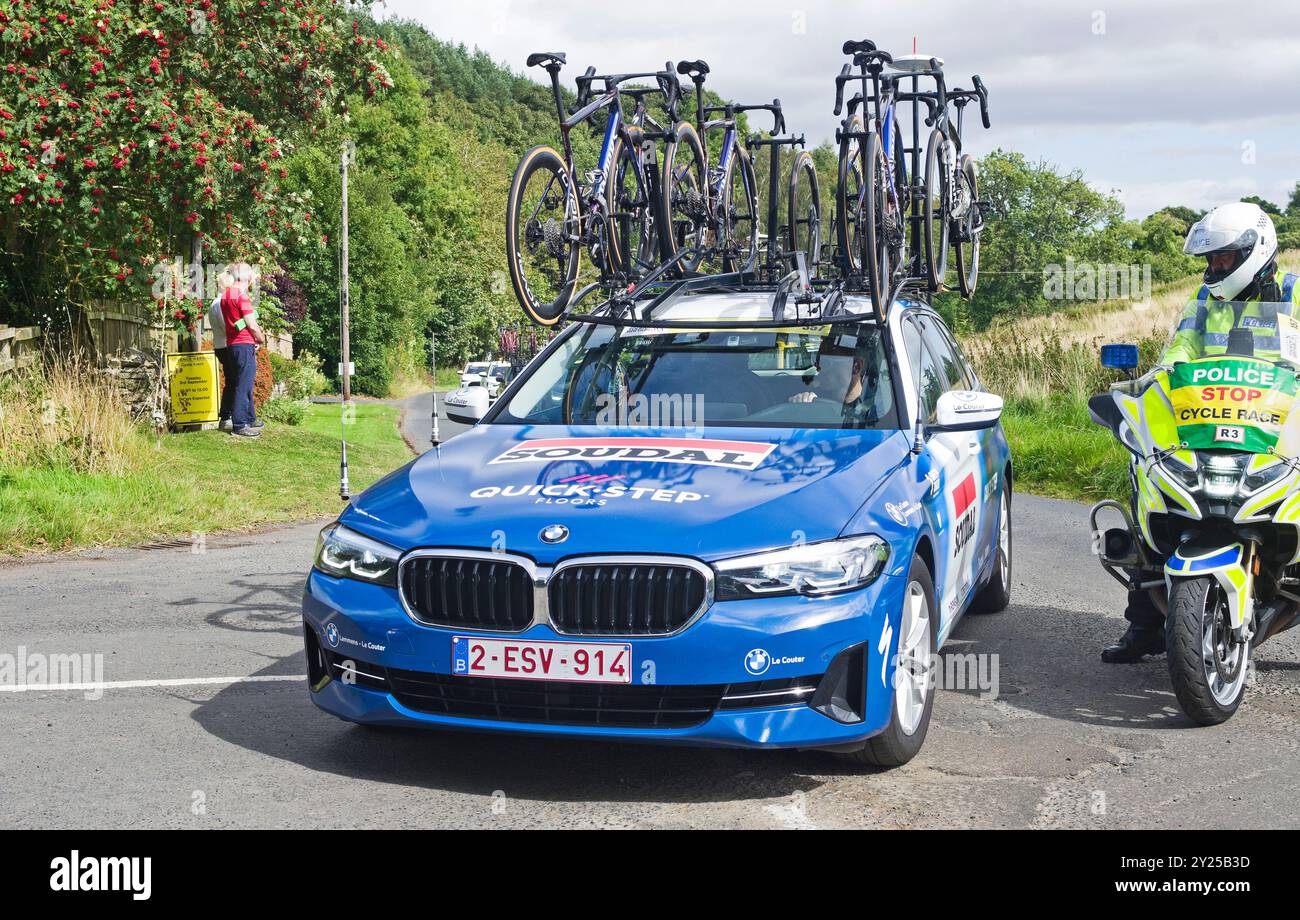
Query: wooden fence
(19, 346)
(117, 330)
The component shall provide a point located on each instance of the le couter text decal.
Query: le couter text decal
(740, 455)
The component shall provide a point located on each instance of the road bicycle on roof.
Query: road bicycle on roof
(882, 211)
(613, 212)
(710, 211)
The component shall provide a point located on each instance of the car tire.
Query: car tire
(996, 595)
(903, 738)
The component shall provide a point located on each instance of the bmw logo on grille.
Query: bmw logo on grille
(554, 533)
(332, 635)
(758, 661)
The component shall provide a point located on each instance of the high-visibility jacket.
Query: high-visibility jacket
(1204, 326)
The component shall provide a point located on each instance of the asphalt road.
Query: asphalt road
(417, 421)
(207, 722)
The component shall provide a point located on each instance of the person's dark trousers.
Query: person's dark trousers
(1142, 611)
(228, 384)
(244, 359)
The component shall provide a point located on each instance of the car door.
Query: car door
(960, 457)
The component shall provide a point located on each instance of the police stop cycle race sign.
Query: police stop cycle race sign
(1232, 402)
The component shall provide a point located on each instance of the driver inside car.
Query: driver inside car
(837, 375)
(1243, 290)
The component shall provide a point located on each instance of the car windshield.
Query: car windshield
(834, 376)
(476, 368)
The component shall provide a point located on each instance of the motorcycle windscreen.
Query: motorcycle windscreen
(1239, 393)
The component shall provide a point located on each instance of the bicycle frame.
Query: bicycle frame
(591, 198)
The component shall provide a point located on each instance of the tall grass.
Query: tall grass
(62, 415)
(1047, 367)
(1034, 358)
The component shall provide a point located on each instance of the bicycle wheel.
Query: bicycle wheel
(968, 226)
(683, 211)
(876, 227)
(631, 214)
(804, 222)
(935, 225)
(738, 215)
(849, 198)
(542, 220)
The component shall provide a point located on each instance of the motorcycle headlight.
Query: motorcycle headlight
(1181, 472)
(1223, 474)
(812, 569)
(1260, 479)
(345, 553)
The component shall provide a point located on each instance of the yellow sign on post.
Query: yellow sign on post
(192, 382)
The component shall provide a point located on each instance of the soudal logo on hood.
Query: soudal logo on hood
(737, 455)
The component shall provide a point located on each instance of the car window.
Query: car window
(933, 383)
(833, 376)
(955, 374)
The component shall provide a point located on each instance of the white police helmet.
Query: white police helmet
(1244, 232)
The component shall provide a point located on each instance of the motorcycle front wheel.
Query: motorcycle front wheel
(1207, 664)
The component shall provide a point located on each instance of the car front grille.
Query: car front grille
(494, 594)
(624, 598)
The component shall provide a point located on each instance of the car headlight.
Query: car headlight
(813, 569)
(345, 553)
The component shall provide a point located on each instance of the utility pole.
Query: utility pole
(346, 155)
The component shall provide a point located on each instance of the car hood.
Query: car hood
(726, 492)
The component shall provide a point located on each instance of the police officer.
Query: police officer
(1243, 290)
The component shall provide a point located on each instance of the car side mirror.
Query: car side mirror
(467, 405)
(967, 410)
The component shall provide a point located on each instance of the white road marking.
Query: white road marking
(178, 682)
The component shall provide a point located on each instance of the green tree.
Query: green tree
(129, 128)
(1039, 217)
(1268, 206)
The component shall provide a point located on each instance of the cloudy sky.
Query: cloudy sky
(1190, 102)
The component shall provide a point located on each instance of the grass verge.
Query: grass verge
(1046, 367)
(200, 482)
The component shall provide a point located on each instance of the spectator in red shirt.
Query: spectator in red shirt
(243, 336)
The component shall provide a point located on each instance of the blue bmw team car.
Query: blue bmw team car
(719, 527)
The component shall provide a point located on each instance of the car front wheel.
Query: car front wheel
(913, 689)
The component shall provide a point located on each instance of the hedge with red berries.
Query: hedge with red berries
(129, 128)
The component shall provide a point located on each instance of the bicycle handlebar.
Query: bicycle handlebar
(778, 118)
(669, 85)
(983, 93)
(846, 74)
(584, 87)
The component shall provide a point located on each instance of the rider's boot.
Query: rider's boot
(1145, 634)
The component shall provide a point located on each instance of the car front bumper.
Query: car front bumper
(843, 645)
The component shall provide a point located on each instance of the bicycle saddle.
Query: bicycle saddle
(852, 47)
(546, 57)
(693, 69)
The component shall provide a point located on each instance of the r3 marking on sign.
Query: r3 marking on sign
(1233, 434)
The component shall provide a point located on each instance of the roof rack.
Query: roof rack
(815, 302)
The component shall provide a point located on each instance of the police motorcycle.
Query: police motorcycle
(1212, 530)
